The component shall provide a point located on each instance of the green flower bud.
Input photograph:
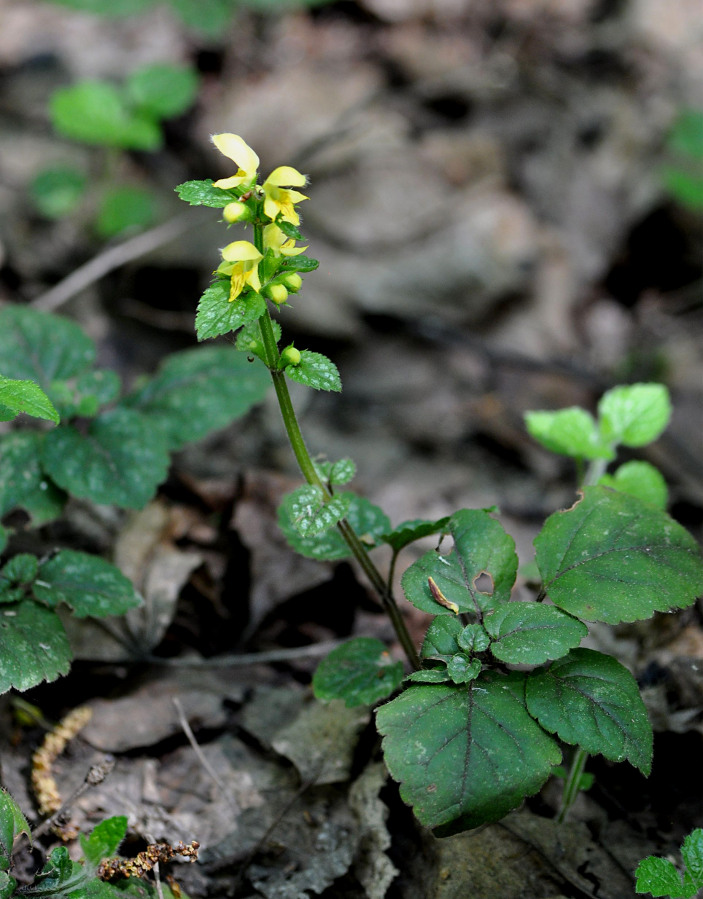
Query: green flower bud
(236, 212)
(293, 282)
(290, 356)
(278, 293)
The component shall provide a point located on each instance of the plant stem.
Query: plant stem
(310, 474)
(572, 783)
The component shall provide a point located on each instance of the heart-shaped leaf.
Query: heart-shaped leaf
(217, 316)
(360, 671)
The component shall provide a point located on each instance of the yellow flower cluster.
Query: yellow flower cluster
(240, 259)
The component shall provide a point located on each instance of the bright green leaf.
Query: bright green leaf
(634, 414)
(640, 479)
(203, 193)
(208, 17)
(570, 432)
(591, 700)
(56, 191)
(125, 208)
(686, 187)
(89, 585)
(162, 90)
(361, 672)
(25, 397)
(12, 824)
(118, 459)
(613, 558)
(104, 840)
(33, 646)
(217, 316)
(528, 633)
(464, 756)
(481, 546)
(199, 391)
(316, 371)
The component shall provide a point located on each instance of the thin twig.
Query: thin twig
(96, 775)
(251, 658)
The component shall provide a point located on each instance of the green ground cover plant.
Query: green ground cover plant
(499, 687)
(659, 876)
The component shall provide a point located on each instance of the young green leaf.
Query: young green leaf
(481, 546)
(38, 346)
(316, 371)
(33, 646)
(12, 824)
(204, 193)
(590, 699)
(464, 755)
(409, 531)
(640, 479)
(463, 670)
(60, 877)
(613, 558)
(659, 877)
(442, 638)
(338, 473)
(569, 432)
(120, 458)
(368, 520)
(104, 839)
(198, 391)
(525, 633)
(361, 672)
(217, 316)
(89, 585)
(634, 414)
(309, 512)
(26, 397)
(162, 90)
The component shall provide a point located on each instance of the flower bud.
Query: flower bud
(236, 212)
(278, 293)
(293, 282)
(290, 356)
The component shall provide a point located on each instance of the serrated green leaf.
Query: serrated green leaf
(692, 855)
(104, 840)
(199, 391)
(473, 638)
(337, 473)
(12, 824)
(20, 468)
(639, 479)
(89, 585)
(367, 520)
(60, 877)
(361, 672)
(119, 459)
(658, 877)
(217, 316)
(591, 700)
(8, 885)
(635, 414)
(125, 208)
(33, 646)
(464, 756)
(316, 371)
(528, 633)
(26, 397)
(298, 264)
(569, 432)
(462, 670)
(310, 513)
(95, 112)
(38, 346)
(410, 531)
(21, 569)
(249, 340)
(162, 90)
(480, 546)
(442, 638)
(612, 558)
(204, 193)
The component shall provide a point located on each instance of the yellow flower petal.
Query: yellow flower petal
(286, 176)
(238, 150)
(241, 251)
(227, 183)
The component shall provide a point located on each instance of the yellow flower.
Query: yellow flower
(281, 245)
(235, 148)
(278, 197)
(241, 264)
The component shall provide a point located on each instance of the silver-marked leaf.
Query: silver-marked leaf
(89, 585)
(309, 512)
(216, 315)
(613, 558)
(464, 755)
(26, 397)
(591, 700)
(12, 824)
(33, 646)
(119, 458)
(316, 371)
(367, 520)
(529, 633)
(38, 346)
(481, 546)
(360, 671)
(198, 391)
(634, 414)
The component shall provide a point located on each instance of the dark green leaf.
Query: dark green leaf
(299, 264)
(103, 384)
(125, 209)
(104, 840)
(658, 877)
(528, 633)
(429, 676)
(464, 756)
(162, 90)
(590, 699)
(8, 885)
(289, 229)
(20, 468)
(462, 670)
(203, 193)
(442, 638)
(21, 569)
(639, 479)
(120, 459)
(89, 585)
(33, 646)
(410, 531)
(60, 877)
(38, 346)
(361, 672)
(56, 191)
(481, 546)
(217, 316)
(634, 414)
(473, 638)
(613, 558)
(316, 371)
(570, 432)
(12, 824)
